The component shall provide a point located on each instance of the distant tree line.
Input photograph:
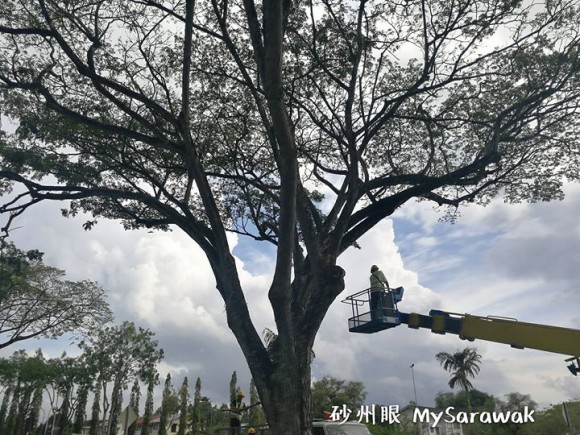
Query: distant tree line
(28, 382)
(111, 358)
(547, 421)
(37, 301)
(464, 364)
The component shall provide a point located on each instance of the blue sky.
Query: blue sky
(506, 260)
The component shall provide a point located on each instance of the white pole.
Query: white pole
(414, 388)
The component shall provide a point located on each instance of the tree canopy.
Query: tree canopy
(117, 355)
(301, 124)
(479, 400)
(330, 391)
(36, 300)
(516, 402)
(111, 358)
(550, 420)
(23, 379)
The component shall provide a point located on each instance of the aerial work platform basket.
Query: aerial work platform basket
(374, 309)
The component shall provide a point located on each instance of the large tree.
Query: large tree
(183, 404)
(134, 399)
(36, 300)
(516, 402)
(479, 400)
(148, 413)
(300, 124)
(169, 404)
(329, 391)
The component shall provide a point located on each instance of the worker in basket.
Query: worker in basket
(378, 285)
(383, 298)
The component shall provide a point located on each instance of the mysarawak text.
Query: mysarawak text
(450, 416)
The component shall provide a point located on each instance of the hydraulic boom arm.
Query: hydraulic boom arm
(500, 330)
(384, 314)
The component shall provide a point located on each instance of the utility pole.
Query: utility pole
(414, 387)
(412, 367)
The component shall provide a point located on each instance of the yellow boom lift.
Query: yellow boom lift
(384, 314)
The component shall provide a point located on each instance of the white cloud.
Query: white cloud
(518, 261)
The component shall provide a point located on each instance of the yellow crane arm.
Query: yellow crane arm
(500, 330)
(382, 313)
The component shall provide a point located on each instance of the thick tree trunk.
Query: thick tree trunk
(284, 382)
(287, 401)
(468, 400)
(64, 411)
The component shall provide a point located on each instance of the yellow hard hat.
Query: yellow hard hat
(251, 430)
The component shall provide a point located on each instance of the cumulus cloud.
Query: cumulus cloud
(516, 261)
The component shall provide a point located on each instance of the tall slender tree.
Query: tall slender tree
(134, 404)
(256, 414)
(96, 408)
(12, 419)
(196, 414)
(165, 405)
(6, 397)
(233, 386)
(462, 365)
(65, 382)
(152, 380)
(183, 402)
(34, 414)
(81, 406)
(116, 408)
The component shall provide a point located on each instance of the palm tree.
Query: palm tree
(462, 365)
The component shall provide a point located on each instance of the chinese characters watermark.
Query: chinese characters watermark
(367, 414)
